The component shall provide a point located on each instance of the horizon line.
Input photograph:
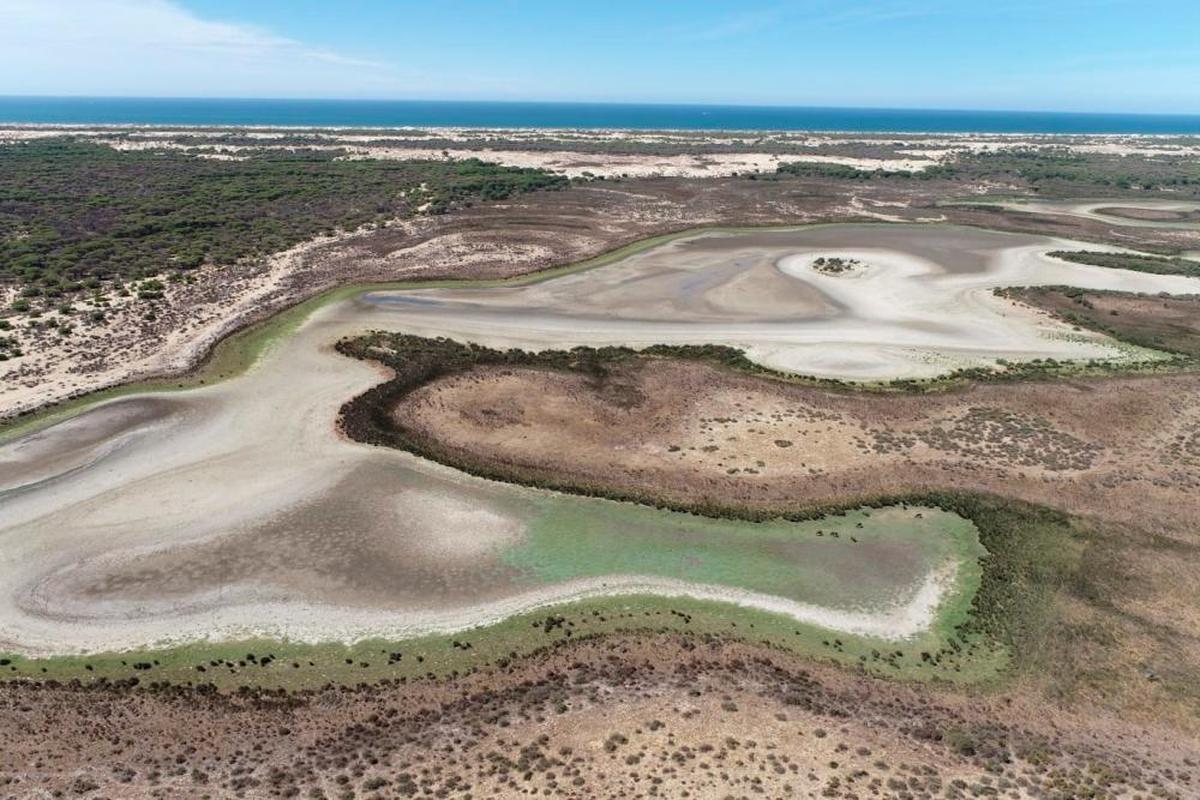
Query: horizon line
(615, 103)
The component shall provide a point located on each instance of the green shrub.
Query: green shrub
(78, 214)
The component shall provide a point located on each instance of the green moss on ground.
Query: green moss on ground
(858, 560)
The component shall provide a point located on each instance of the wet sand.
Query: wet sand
(98, 542)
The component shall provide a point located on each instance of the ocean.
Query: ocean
(402, 113)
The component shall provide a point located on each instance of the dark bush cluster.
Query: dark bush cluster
(1159, 265)
(1048, 170)
(73, 213)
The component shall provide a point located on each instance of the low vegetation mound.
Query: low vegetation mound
(1161, 322)
(835, 265)
(604, 718)
(1049, 171)
(846, 172)
(1159, 265)
(1151, 214)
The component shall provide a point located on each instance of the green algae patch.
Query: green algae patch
(588, 537)
(862, 559)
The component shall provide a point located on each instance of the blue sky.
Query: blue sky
(1099, 55)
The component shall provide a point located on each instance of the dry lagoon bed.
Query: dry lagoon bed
(237, 509)
(920, 304)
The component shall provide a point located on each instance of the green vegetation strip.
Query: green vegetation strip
(293, 665)
(1057, 172)
(1163, 324)
(1137, 262)
(1034, 556)
(73, 214)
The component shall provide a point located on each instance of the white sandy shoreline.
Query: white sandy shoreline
(59, 634)
(465, 129)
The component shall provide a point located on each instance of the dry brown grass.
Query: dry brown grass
(656, 715)
(684, 429)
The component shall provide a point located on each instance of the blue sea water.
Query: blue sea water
(398, 113)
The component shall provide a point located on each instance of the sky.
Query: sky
(1056, 55)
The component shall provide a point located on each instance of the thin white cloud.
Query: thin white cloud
(159, 47)
(732, 26)
(820, 14)
(330, 57)
(152, 23)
